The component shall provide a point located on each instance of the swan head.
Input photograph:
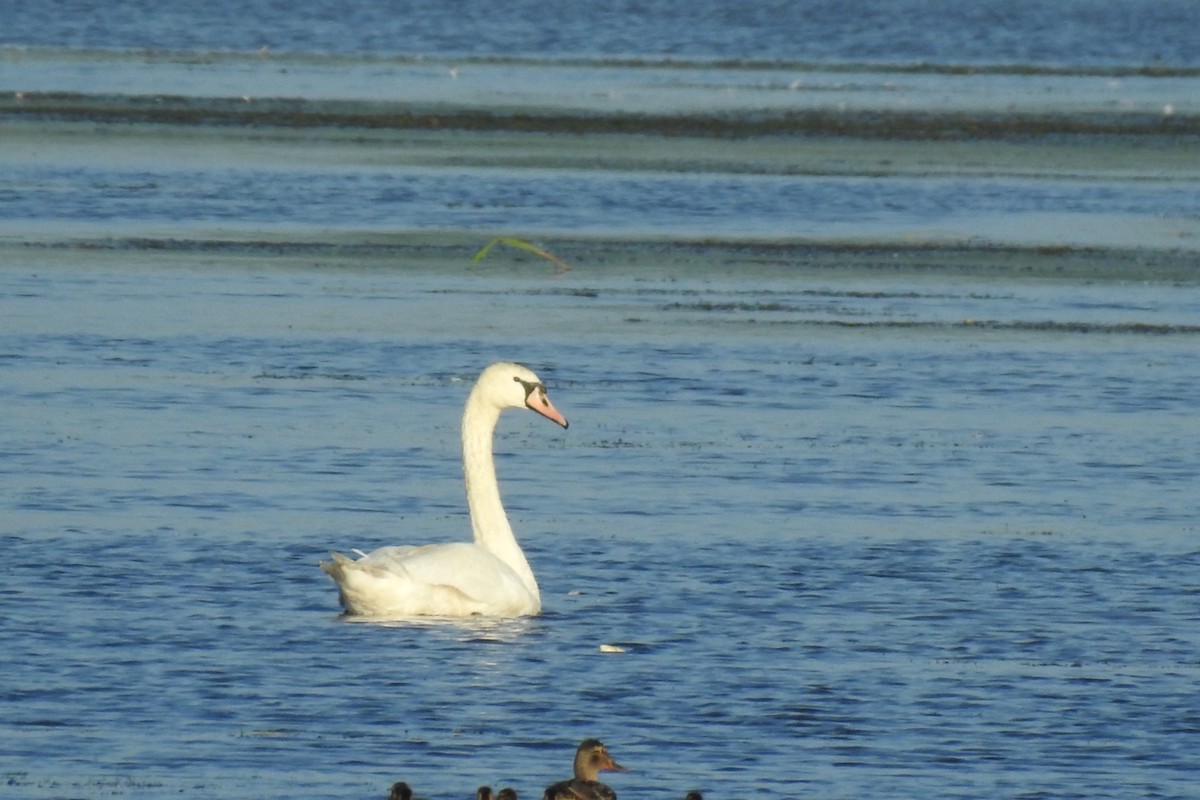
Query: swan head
(591, 757)
(507, 385)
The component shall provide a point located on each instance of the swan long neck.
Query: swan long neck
(489, 522)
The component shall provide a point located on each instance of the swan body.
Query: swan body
(590, 758)
(488, 576)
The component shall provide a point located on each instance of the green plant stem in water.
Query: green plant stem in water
(521, 244)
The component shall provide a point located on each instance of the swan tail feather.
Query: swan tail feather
(341, 565)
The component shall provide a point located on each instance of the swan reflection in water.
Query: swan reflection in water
(489, 576)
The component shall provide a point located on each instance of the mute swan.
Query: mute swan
(490, 576)
(590, 758)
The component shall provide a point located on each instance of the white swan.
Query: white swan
(489, 577)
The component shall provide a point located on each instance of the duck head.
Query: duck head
(591, 758)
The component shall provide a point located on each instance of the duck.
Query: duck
(693, 795)
(488, 576)
(485, 793)
(591, 757)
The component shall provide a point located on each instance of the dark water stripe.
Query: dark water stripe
(454, 249)
(1040, 326)
(871, 124)
(741, 64)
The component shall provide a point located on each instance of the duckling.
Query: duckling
(400, 791)
(485, 793)
(507, 793)
(693, 795)
(590, 758)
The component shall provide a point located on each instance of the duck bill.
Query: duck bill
(613, 766)
(539, 402)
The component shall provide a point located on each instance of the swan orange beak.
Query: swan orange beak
(539, 401)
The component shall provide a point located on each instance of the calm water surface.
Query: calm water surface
(845, 559)
(880, 352)
(1098, 32)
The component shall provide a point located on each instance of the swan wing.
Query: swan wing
(466, 567)
(455, 579)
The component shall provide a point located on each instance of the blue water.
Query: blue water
(1095, 32)
(879, 347)
(556, 202)
(925, 559)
